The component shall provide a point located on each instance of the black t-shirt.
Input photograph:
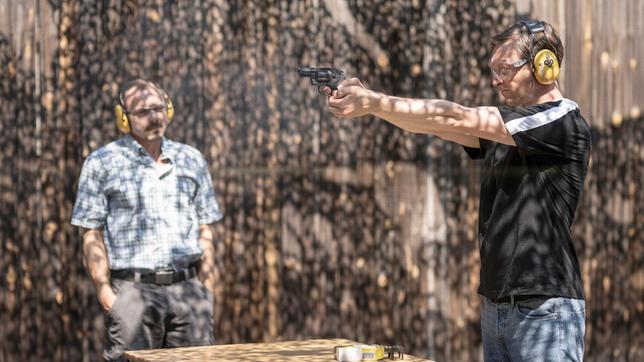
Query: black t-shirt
(529, 194)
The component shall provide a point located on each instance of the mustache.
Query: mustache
(154, 126)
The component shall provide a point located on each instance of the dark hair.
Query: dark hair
(547, 39)
(138, 83)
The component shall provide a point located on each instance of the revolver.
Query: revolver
(322, 77)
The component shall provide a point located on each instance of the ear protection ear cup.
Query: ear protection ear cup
(545, 66)
(122, 122)
(169, 107)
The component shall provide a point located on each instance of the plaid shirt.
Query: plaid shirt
(150, 215)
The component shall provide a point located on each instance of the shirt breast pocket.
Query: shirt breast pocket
(187, 189)
(123, 195)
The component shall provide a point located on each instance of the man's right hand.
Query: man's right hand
(106, 297)
(95, 257)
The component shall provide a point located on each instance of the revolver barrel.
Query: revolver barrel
(305, 72)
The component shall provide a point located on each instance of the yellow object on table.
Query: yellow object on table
(309, 350)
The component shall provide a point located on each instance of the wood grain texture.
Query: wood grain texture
(321, 350)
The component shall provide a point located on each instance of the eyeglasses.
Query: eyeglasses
(508, 70)
(146, 112)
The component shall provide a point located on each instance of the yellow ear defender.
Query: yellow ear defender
(122, 120)
(545, 66)
(169, 107)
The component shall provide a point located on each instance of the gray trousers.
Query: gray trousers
(149, 316)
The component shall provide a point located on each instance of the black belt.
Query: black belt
(161, 277)
(516, 298)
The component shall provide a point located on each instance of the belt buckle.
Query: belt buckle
(163, 277)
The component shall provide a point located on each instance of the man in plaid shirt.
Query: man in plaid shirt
(145, 204)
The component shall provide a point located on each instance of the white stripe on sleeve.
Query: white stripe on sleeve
(541, 118)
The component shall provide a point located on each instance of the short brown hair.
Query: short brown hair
(138, 83)
(548, 39)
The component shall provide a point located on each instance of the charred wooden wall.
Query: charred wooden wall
(333, 228)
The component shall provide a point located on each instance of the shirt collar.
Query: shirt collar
(167, 149)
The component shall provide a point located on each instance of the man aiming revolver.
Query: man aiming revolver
(535, 151)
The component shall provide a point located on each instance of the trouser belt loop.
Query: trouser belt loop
(512, 299)
(137, 277)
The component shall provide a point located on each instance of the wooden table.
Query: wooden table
(311, 350)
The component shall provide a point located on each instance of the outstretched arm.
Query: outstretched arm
(445, 119)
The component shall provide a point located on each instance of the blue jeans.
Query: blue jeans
(539, 329)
